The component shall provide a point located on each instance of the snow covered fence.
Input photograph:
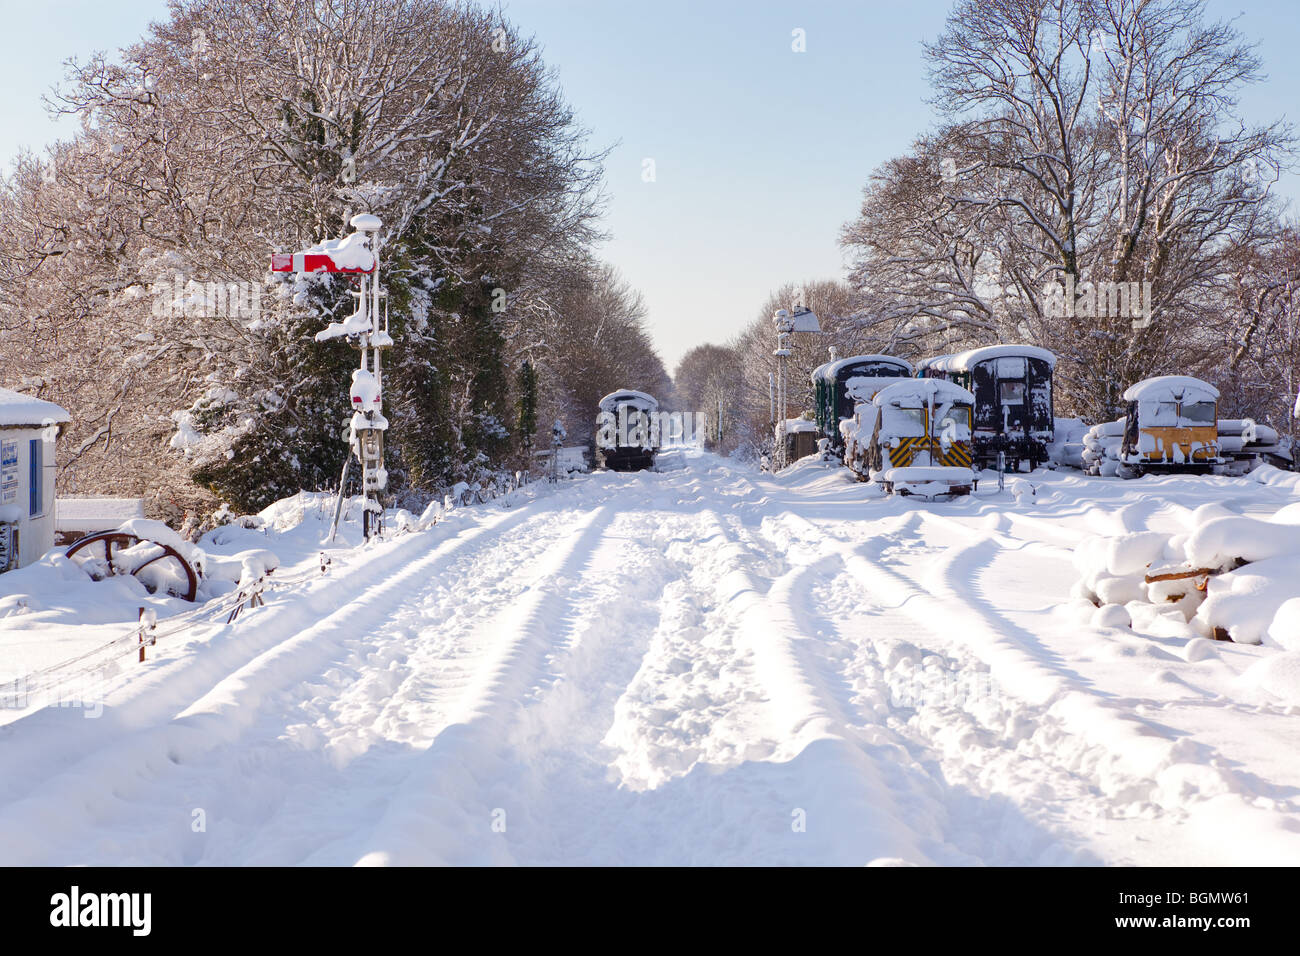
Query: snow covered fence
(80, 680)
(1231, 577)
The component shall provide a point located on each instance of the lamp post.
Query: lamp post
(558, 435)
(786, 323)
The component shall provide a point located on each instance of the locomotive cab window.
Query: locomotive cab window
(1198, 413)
(1166, 413)
(910, 421)
(958, 415)
(1012, 393)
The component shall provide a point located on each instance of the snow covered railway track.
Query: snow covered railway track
(810, 723)
(427, 817)
(1131, 763)
(297, 655)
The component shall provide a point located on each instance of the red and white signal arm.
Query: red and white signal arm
(308, 262)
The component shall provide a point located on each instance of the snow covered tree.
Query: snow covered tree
(526, 406)
(846, 325)
(1086, 142)
(234, 129)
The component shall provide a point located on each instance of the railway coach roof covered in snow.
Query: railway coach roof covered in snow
(828, 371)
(918, 391)
(1169, 388)
(19, 409)
(964, 361)
(628, 396)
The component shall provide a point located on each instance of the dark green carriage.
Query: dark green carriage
(840, 385)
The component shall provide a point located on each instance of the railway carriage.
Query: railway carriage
(914, 437)
(1013, 410)
(841, 385)
(1171, 425)
(625, 431)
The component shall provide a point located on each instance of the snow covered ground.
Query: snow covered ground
(702, 665)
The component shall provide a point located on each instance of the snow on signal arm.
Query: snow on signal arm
(311, 262)
(349, 254)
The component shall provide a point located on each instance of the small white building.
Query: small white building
(28, 429)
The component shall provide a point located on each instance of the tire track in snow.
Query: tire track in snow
(807, 718)
(684, 792)
(427, 816)
(169, 684)
(136, 764)
(1131, 761)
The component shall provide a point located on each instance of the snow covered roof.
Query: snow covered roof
(964, 361)
(630, 397)
(1170, 388)
(95, 514)
(861, 388)
(19, 409)
(800, 425)
(914, 392)
(829, 370)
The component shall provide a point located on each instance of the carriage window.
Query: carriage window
(1198, 413)
(1012, 393)
(1011, 366)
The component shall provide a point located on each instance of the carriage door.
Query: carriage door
(1013, 394)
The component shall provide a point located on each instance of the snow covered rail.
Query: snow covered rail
(90, 665)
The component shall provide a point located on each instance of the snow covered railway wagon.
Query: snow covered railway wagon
(1172, 425)
(625, 432)
(840, 386)
(914, 437)
(1013, 411)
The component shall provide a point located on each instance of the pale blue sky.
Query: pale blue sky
(760, 152)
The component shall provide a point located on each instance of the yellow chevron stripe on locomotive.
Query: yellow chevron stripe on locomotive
(901, 455)
(959, 456)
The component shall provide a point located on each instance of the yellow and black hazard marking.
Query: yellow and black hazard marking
(905, 449)
(959, 455)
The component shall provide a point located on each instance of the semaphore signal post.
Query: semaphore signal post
(367, 331)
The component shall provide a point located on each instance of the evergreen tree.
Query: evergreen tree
(526, 404)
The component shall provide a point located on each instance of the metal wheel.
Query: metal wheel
(159, 567)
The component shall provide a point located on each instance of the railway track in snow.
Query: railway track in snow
(697, 666)
(338, 669)
(1071, 731)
